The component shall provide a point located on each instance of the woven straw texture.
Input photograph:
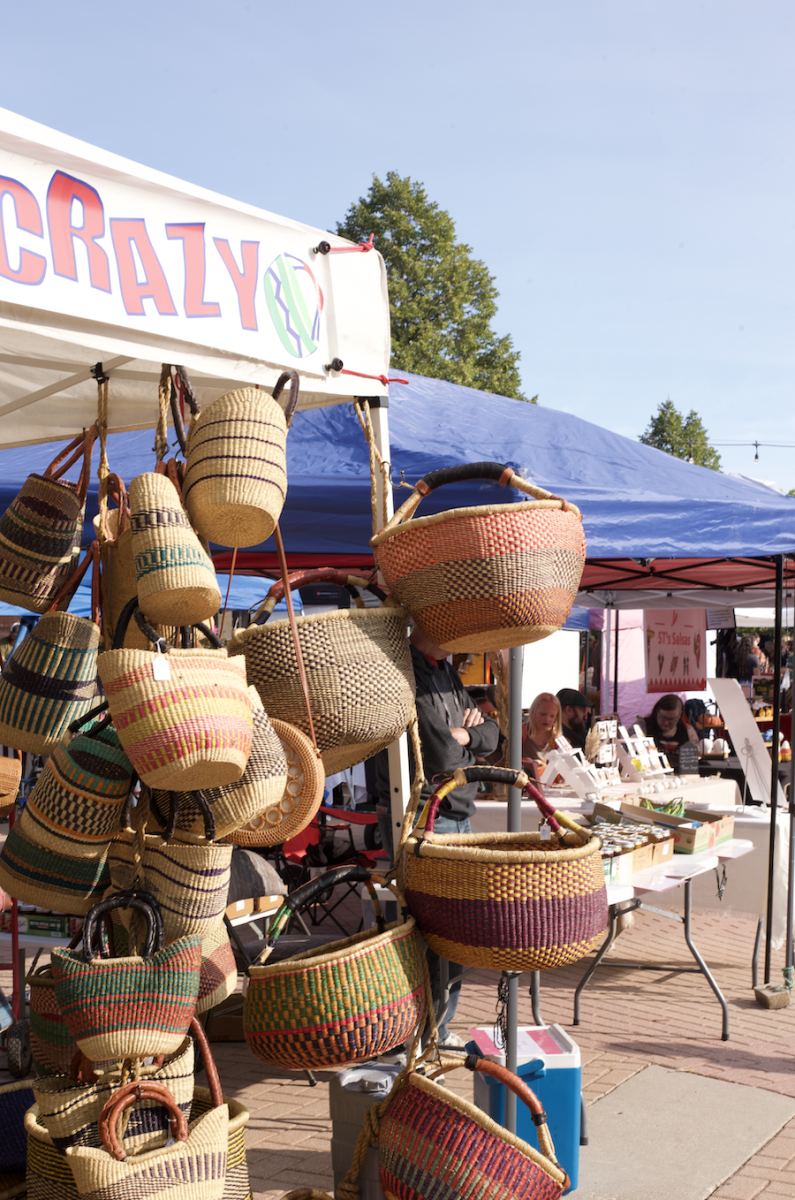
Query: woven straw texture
(51, 1043)
(175, 574)
(486, 578)
(10, 775)
(506, 901)
(40, 534)
(435, 1146)
(48, 878)
(128, 1007)
(48, 682)
(76, 804)
(15, 1100)
(49, 1176)
(191, 1170)
(119, 584)
(236, 477)
(359, 674)
(190, 731)
(237, 1185)
(69, 1111)
(361, 997)
(189, 883)
(260, 788)
(299, 800)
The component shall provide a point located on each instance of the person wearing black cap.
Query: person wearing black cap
(574, 708)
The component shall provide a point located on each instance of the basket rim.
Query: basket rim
(485, 1122)
(478, 510)
(342, 951)
(241, 636)
(473, 848)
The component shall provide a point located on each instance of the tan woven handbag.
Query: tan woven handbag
(236, 477)
(488, 577)
(358, 671)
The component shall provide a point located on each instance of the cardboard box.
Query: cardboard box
(257, 904)
(609, 868)
(628, 864)
(662, 852)
(48, 925)
(692, 833)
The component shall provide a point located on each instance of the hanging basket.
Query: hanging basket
(51, 1043)
(358, 671)
(489, 577)
(506, 901)
(348, 1002)
(10, 775)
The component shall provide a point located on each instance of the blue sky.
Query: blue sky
(625, 168)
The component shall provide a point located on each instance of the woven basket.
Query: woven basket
(41, 530)
(506, 901)
(39, 875)
(10, 775)
(260, 789)
(237, 1185)
(299, 801)
(51, 1043)
(191, 730)
(49, 1176)
(128, 1007)
(489, 577)
(236, 477)
(69, 1110)
(353, 1000)
(433, 1145)
(358, 670)
(76, 805)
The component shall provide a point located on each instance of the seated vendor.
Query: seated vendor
(668, 727)
(542, 727)
(574, 708)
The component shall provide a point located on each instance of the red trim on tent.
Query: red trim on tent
(675, 574)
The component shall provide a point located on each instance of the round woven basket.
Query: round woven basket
(51, 1043)
(488, 577)
(358, 671)
(236, 477)
(299, 800)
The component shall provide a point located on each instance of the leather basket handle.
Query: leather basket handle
(81, 446)
(302, 897)
(144, 903)
(198, 1034)
(299, 579)
(125, 1097)
(292, 402)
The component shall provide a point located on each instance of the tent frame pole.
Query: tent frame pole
(516, 660)
(771, 860)
(615, 666)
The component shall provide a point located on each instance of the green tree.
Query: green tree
(684, 437)
(442, 300)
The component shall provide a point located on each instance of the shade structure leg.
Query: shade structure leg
(771, 858)
(516, 661)
(535, 996)
(755, 957)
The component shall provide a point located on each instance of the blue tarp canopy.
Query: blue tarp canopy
(638, 503)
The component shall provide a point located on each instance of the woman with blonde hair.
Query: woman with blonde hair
(543, 725)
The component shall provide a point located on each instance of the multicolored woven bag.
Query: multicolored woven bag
(433, 1145)
(48, 1175)
(41, 530)
(236, 477)
(50, 679)
(358, 671)
(488, 577)
(505, 901)
(128, 1007)
(350, 1001)
(237, 1185)
(48, 878)
(183, 716)
(51, 1043)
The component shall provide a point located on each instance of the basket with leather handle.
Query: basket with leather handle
(128, 1007)
(236, 1185)
(50, 679)
(42, 528)
(358, 671)
(505, 901)
(349, 1001)
(183, 716)
(488, 577)
(236, 476)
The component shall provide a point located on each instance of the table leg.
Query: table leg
(702, 965)
(606, 944)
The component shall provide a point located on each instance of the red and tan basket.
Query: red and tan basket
(488, 577)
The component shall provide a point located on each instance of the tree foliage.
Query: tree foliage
(442, 300)
(683, 436)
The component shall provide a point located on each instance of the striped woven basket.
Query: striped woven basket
(236, 477)
(506, 901)
(175, 574)
(299, 801)
(358, 671)
(355, 999)
(489, 577)
(433, 1145)
(48, 878)
(190, 729)
(260, 789)
(48, 1175)
(41, 530)
(10, 775)
(51, 1043)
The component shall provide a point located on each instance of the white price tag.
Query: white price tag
(546, 833)
(161, 668)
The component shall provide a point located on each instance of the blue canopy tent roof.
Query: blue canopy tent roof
(638, 503)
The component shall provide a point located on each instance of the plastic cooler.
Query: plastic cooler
(351, 1093)
(548, 1061)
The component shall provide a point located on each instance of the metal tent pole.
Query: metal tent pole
(615, 667)
(516, 659)
(774, 756)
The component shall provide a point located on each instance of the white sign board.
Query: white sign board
(748, 742)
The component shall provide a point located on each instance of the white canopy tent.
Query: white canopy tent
(106, 261)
